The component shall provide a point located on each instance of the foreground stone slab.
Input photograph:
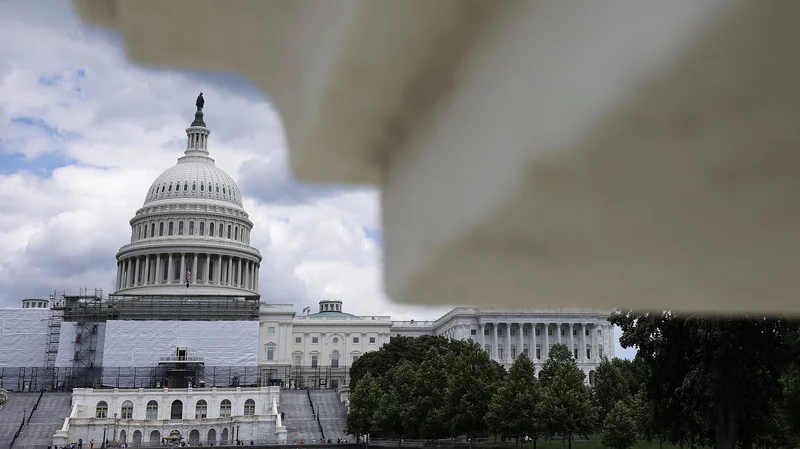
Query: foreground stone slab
(582, 154)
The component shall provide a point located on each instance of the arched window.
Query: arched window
(217, 188)
(220, 229)
(185, 186)
(151, 412)
(180, 228)
(152, 230)
(176, 411)
(163, 188)
(194, 186)
(229, 231)
(225, 408)
(202, 228)
(155, 438)
(191, 228)
(139, 232)
(127, 410)
(212, 437)
(161, 229)
(236, 233)
(223, 190)
(211, 229)
(201, 409)
(335, 359)
(101, 411)
(169, 189)
(171, 228)
(123, 436)
(194, 437)
(249, 407)
(137, 438)
(223, 438)
(202, 187)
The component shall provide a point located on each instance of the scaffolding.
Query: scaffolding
(87, 307)
(53, 337)
(163, 308)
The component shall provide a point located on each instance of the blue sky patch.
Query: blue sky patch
(374, 234)
(51, 130)
(42, 165)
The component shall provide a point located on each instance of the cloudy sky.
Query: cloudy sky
(83, 133)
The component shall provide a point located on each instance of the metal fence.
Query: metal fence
(172, 376)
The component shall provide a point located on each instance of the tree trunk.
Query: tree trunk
(726, 425)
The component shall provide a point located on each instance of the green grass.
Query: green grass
(592, 443)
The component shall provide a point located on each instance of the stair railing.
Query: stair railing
(35, 406)
(319, 424)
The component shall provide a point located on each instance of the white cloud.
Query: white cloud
(94, 131)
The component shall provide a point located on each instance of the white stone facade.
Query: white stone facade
(505, 332)
(144, 416)
(332, 338)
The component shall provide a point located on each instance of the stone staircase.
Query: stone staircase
(48, 417)
(11, 415)
(299, 418)
(332, 414)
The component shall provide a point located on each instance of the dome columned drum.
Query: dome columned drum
(192, 235)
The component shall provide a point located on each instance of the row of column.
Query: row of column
(175, 268)
(588, 347)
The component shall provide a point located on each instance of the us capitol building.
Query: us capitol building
(187, 346)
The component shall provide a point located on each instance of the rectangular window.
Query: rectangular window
(513, 351)
(537, 332)
(526, 351)
(486, 332)
(587, 332)
(488, 349)
(298, 359)
(355, 339)
(575, 353)
(549, 332)
(574, 332)
(599, 332)
(588, 353)
(270, 331)
(562, 332)
(473, 331)
(315, 340)
(298, 340)
(500, 352)
(513, 332)
(499, 332)
(314, 361)
(524, 332)
(372, 340)
(538, 352)
(600, 351)
(127, 413)
(270, 353)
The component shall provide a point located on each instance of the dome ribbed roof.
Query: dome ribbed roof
(194, 177)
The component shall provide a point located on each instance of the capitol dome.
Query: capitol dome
(192, 234)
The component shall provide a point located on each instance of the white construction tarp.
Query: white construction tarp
(144, 343)
(67, 344)
(23, 337)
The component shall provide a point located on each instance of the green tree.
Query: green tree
(512, 409)
(619, 428)
(609, 387)
(364, 401)
(394, 415)
(470, 384)
(565, 408)
(427, 397)
(711, 380)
